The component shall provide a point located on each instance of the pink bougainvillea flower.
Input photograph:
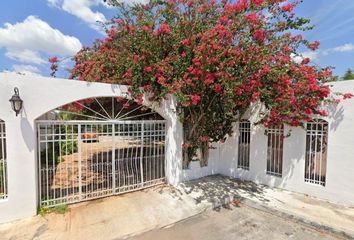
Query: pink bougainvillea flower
(252, 17)
(148, 69)
(259, 34)
(314, 45)
(139, 100)
(164, 28)
(53, 59)
(257, 2)
(287, 8)
(195, 99)
(347, 96)
(186, 41)
(218, 88)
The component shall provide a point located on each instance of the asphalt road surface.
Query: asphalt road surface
(241, 222)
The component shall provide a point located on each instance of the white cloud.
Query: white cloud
(26, 69)
(82, 10)
(313, 56)
(25, 41)
(25, 55)
(344, 48)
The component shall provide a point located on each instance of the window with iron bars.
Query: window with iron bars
(3, 164)
(275, 150)
(316, 152)
(244, 140)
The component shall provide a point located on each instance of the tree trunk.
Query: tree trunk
(186, 160)
(204, 156)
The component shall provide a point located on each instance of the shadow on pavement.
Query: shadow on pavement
(221, 190)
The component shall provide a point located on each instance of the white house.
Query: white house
(39, 166)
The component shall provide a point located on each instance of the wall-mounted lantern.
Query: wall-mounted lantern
(16, 101)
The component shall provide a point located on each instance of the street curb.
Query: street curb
(217, 203)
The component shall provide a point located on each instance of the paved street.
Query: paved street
(237, 223)
(164, 212)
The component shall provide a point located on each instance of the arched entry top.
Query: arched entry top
(103, 109)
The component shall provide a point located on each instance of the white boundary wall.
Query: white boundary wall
(339, 186)
(41, 95)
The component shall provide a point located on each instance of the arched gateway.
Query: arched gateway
(98, 147)
(71, 154)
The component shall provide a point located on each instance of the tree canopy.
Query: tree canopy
(349, 74)
(217, 57)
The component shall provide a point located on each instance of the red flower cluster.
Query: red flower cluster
(288, 8)
(164, 28)
(257, 2)
(53, 65)
(195, 99)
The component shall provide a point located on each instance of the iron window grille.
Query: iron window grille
(316, 152)
(244, 140)
(275, 150)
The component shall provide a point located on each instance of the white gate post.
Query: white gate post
(174, 141)
(21, 169)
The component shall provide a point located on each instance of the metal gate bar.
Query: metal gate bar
(3, 163)
(83, 160)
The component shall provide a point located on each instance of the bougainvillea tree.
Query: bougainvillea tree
(217, 57)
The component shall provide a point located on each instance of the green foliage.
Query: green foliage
(61, 209)
(349, 74)
(69, 147)
(53, 151)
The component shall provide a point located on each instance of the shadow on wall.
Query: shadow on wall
(27, 133)
(195, 171)
(337, 115)
(293, 154)
(228, 154)
(222, 189)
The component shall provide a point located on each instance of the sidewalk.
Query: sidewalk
(220, 190)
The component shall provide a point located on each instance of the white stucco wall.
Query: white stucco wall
(41, 95)
(339, 186)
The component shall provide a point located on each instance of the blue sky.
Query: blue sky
(32, 31)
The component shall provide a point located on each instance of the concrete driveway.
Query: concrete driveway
(237, 223)
(109, 218)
